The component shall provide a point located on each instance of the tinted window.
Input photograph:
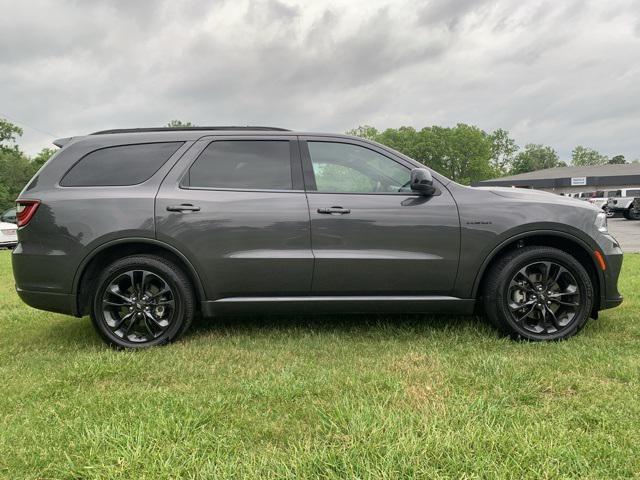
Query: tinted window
(614, 193)
(255, 164)
(633, 193)
(345, 168)
(121, 165)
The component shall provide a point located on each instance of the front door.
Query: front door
(370, 234)
(236, 208)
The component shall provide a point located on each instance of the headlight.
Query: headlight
(601, 222)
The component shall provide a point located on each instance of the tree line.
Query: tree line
(467, 154)
(464, 153)
(16, 168)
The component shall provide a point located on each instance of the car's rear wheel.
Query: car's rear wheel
(538, 293)
(141, 301)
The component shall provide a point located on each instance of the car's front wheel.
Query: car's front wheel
(141, 301)
(632, 214)
(538, 293)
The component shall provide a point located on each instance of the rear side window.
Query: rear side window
(633, 193)
(251, 164)
(120, 166)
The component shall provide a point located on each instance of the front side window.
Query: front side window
(119, 166)
(346, 168)
(243, 164)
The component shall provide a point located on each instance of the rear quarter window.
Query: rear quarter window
(120, 165)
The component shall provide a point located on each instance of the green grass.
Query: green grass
(329, 397)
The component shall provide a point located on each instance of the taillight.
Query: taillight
(25, 209)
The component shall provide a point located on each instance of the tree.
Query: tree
(535, 157)
(179, 123)
(467, 152)
(617, 160)
(16, 169)
(9, 134)
(364, 131)
(583, 156)
(503, 150)
(462, 153)
(42, 157)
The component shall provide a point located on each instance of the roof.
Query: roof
(182, 129)
(592, 176)
(569, 172)
(61, 142)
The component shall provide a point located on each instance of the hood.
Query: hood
(537, 196)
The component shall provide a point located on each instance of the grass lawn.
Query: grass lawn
(330, 397)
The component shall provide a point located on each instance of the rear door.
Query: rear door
(235, 206)
(371, 234)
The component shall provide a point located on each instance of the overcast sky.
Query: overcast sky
(557, 72)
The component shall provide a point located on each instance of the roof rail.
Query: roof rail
(180, 129)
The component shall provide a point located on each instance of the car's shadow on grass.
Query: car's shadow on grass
(80, 334)
(366, 324)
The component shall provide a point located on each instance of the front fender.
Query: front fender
(511, 237)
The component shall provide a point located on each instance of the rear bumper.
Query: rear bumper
(51, 302)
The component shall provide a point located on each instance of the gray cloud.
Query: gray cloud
(560, 73)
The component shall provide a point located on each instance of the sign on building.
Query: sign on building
(578, 181)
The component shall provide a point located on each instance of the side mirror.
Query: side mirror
(422, 181)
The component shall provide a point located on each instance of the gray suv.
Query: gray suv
(141, 229)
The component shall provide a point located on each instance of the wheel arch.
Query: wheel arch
(91, 265)
(564, 241)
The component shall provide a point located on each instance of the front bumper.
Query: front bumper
(610, 297)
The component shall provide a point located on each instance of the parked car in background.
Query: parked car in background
(9, 216)
(600, 198)
(8, 235)
(623, 203)
(141, 228)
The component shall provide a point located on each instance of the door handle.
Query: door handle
(185, 207)
(334, 210)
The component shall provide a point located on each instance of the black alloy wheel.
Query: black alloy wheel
(142, 300)
(138, 306)
(543, 297)
(538, 293)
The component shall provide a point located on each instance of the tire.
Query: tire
(560, 315)
(632, 214)
(142, 301)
